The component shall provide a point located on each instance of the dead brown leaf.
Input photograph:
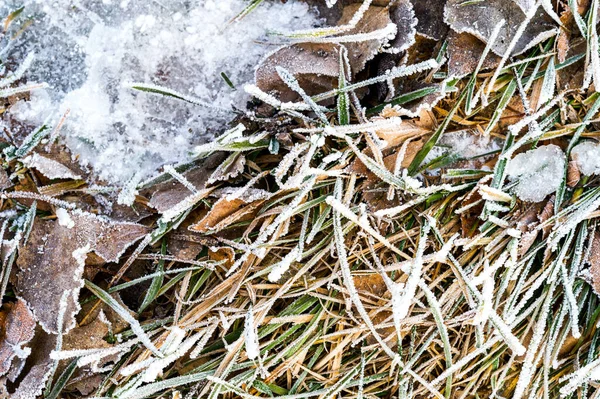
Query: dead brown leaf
(315, 66)
(225, 211)
(163, 196)
(4, 180)
(36, 371)
(372, 283)
(222, 254)
(403, 15)
(464, 53)
(375, 18)
(230, 168)
(595, 263)
(573, 174)
(480, 19)
(89, 336)
(430, 16)
(51, 264)
(17, 329)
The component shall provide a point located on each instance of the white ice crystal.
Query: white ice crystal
(537, 172)
(64, 218)
(463, 144)
(91, 49)
(49, 167)
(251, 336)
(587, 156)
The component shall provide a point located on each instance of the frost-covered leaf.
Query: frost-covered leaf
(430, 16)
(49, 167)
(403, 15)
(464, 53)
(595, 263)
(413, 108)
(4, 180)
(315, 66)
(36, 371)
(17, 329)
(573, 174)
(537, 172)
(227, 210)
(166, 194)
(53, 261)
(480, 17)
(374, 19)
(587, 156)
(230, 168)
(88, 336)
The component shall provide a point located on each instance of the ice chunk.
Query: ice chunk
(587, 156)
(537, 172)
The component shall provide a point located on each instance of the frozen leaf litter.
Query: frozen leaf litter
(398, 200)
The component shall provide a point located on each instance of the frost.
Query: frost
(587, 156)
(285, 263)
(537, 172)
(97, 47)
(64, 219)
(464, 144)
(49, 167)
(251, 336)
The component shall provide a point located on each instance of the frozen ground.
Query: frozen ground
(87, 50)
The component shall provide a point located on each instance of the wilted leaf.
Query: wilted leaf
(315, 66)
(571, 77)
(562, 45)
(372, 283)
(396, 136)
(375, 18)
(165, 195)
(222, 254)
(89, 336)
(469, 219)
(430, 16)
(18, 328)
(230, 168)
(49, 167)
(573, 174)
(4, 180)
(595, 263)
(403, 15)
(480, 19)
(33, 377)
(52, 262)
(464, 53)
(546, 213)
(227, 211)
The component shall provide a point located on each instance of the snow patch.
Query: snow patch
(587, 156)
(537, 172)
(93, 48)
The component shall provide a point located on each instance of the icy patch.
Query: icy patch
(464, 144)
(537, 172)
(587, 156)
(88, 51)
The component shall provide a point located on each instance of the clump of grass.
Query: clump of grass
(369, 283)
